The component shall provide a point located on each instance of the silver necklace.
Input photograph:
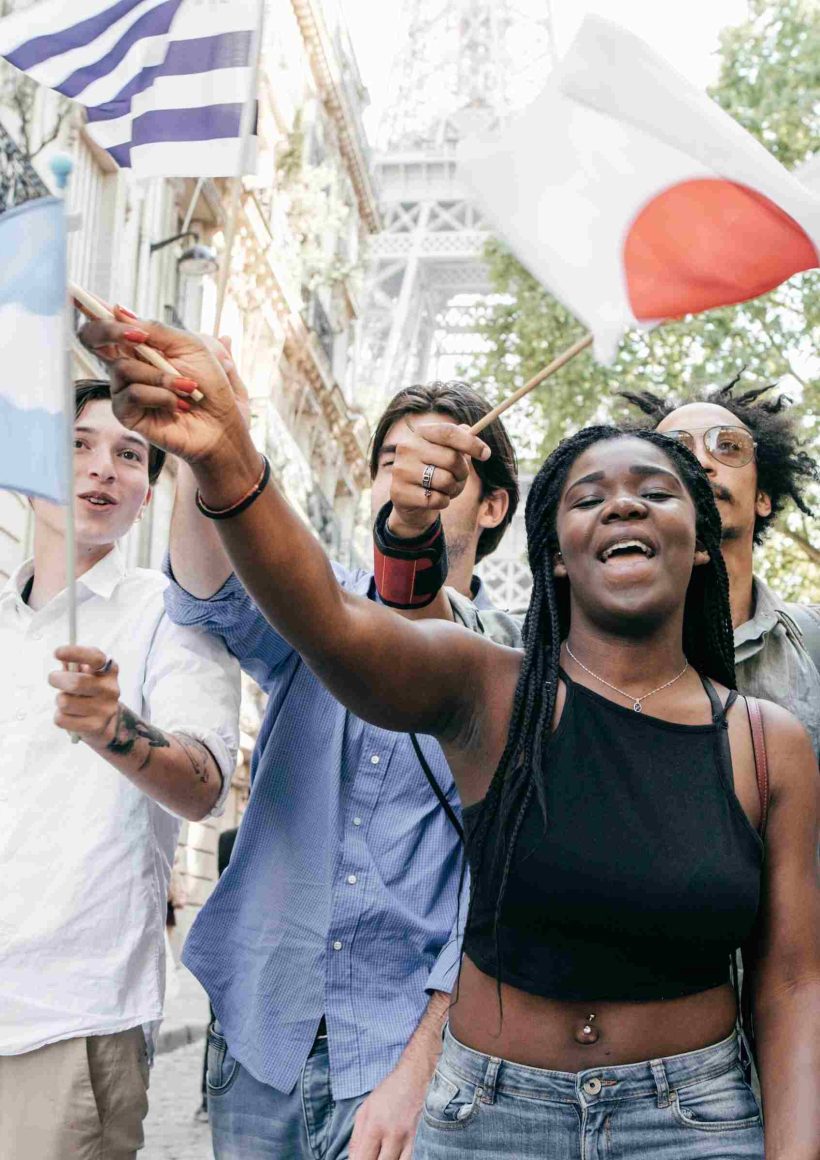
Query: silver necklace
(636, 704)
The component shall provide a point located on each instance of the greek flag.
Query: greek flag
(164, 81)
(33, 436)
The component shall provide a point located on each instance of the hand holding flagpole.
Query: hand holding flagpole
(94, 307)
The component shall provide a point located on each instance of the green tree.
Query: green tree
(769, 81)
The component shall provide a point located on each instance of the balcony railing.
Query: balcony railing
(319, 323)
(172, 318)
(19, 180)
(323, 518)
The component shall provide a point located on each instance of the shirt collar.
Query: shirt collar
(768, 612)
(13, 588)
(106, 574)
(480, 596)
(101, 580)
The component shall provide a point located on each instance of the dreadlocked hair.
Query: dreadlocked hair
(707, 642)
(785, 470)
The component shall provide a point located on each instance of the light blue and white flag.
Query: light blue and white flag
(164, 81)
(33, 418)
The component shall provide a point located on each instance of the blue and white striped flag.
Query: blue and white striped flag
(33, 298)
(164, 81)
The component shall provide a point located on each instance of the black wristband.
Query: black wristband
(409, 573)
(242, 504)
(399, 543)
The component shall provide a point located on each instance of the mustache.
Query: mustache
(721, 492)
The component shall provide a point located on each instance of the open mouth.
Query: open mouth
(626, 548)
(98, 499)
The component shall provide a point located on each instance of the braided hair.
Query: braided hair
(707, 642)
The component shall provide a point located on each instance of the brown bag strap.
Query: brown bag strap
(761, 760)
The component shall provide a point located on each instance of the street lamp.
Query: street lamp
(197, 261)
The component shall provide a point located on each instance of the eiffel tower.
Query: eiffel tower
(460, 60)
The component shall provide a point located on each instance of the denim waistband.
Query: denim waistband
(654, 1077)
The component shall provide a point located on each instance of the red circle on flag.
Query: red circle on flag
(710, 242)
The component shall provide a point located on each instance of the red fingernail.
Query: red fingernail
(135, 335)
(183, 406)
(124, 310)
(188, 386)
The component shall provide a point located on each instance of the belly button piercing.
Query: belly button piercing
(588, 1033)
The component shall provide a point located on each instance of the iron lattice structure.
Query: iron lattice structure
(460, 60)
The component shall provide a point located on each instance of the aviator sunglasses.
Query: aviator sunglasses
(732, 446)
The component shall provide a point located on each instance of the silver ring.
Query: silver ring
(427, 479)
(105, 667)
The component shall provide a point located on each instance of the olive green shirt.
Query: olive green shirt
(771, 661)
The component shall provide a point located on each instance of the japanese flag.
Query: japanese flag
(635, 198)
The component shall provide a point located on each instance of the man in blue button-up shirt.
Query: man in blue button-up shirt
(328, 948)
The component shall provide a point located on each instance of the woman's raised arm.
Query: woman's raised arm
(423, 676)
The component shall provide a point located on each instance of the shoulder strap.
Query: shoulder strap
(761, 760)
(719, 710)
(807, 619)
(436, 788)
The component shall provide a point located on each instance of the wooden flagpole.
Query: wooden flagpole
(245, 133)
(61, 167)
(534, 382)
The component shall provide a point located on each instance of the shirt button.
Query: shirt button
(36, 636)
(357, 821)
(337, 946)
(375, 759)
(20, 714)
(592, 1087)
(352, 879)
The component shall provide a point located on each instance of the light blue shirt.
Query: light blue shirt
(340, 896)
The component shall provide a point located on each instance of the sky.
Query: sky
(686, 34)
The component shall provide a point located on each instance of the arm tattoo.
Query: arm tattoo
(129, 730)
(198, 754)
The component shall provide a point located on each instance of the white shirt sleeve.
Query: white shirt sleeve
(192, 686)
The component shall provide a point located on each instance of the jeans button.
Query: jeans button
(592, 1086)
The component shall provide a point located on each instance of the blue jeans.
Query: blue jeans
(252, 1119)
(687, 1107)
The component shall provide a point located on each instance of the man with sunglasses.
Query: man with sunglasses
(750, 448)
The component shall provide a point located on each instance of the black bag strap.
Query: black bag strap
(761, 759)
(436, 788)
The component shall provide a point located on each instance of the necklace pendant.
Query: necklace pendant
(638, 707)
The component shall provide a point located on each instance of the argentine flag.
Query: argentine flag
(33, 280)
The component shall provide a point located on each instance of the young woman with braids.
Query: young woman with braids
(615, 854)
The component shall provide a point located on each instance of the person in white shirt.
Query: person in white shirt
(89, 830)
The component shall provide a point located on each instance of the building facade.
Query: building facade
(292, 303)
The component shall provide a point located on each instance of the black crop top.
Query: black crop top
(647, 875)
